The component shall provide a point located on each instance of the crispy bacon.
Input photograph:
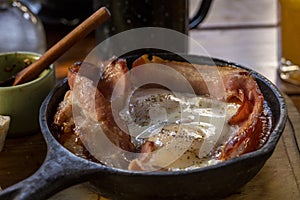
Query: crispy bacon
(243, 87)
(103, 91)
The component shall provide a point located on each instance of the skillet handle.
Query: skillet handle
(56, 173)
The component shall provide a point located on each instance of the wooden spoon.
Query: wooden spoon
(32, 71)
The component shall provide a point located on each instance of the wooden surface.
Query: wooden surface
(242, 31)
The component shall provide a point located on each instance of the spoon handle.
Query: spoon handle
(32, 71)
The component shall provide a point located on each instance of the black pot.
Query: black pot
(62, 169)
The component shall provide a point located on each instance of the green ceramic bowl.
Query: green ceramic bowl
(22, 102)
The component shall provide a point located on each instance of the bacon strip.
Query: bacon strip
(102, 110)
(244, 87)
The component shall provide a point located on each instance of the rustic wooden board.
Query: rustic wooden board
(239, 13)
(255, 48)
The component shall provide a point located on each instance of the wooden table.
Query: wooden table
(242, 31)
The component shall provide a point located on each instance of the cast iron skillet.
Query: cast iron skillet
(62, 169)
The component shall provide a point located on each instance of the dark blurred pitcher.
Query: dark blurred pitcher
(130, 14)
